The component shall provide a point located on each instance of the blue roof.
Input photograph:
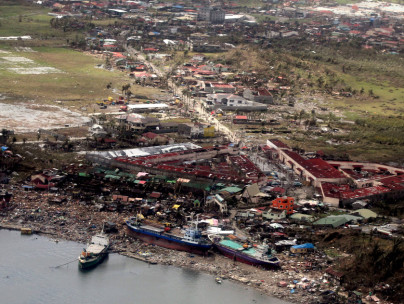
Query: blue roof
(302, 246)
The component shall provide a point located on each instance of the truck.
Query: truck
(120, 100)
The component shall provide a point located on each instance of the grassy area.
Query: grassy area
(8, 10)
(261, 18)
(249, 3)
(79, 79)
(342, 2)
(375, 80)
(28, 20)
(333, 253)
(177, 120)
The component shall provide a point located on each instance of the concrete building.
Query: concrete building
(145, 107)
(233, 102)
(217, 87)
(259, 95)
(315, 171)
(139, 124)
(213, 15)
(274, 214)
(284, 203)
(342, 182)
(191, 130)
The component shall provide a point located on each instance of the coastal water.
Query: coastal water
(28, 276)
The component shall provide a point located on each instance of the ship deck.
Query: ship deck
(98, 244)
(236, 246)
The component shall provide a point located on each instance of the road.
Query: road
(177, 91)
(45, 141)
(142, 58)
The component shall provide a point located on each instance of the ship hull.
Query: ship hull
(92, 263)
(246, 259)
(166, 241)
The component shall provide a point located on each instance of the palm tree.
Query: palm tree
(301, 114)
(125, 88)
(128, 94)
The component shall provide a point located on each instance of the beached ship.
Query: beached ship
(245, 252)
(191, 240)
(95, 251)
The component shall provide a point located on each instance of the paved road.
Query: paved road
(142, 58)
(197, 106)
(44, 141)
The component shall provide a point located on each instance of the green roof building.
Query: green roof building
(335, 221)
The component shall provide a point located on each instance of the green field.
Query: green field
(28, 20)
(75, 78)
(79, 80)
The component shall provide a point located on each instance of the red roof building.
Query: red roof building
(150, 135)
(277, 144)
(150, 50)
(284, 203)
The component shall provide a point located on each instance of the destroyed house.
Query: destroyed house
(190, 130)
(167, 127)
(274, 214)
(213, 87)
(138, 123)
(207, 48)
(334, 276)
(45, 181)
(303, 248)
(259, 95)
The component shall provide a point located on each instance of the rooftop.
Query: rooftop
(279, 144)
(318, 167)
(240, 169)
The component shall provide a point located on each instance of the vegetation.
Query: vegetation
(377, 262)
(359, 85)
(18, 20)
(79, 81)
(367, 260)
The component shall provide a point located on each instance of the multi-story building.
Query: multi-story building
(284, 203)
(211, 14)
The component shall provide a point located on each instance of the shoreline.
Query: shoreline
(265, 281)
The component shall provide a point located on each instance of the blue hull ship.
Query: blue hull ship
(192, 241)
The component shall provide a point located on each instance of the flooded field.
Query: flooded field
(29, 117)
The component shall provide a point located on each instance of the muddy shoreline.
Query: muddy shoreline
(76, 222)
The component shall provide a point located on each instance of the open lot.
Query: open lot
(55, 76)
(67, 75)
(30, 117)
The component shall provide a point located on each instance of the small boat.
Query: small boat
(95, 251)
(245, 252)
(218, 280)
(190, 240)
(26, 231)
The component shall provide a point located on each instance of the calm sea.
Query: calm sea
(27, 275)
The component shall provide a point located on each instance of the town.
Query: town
(267, 125)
